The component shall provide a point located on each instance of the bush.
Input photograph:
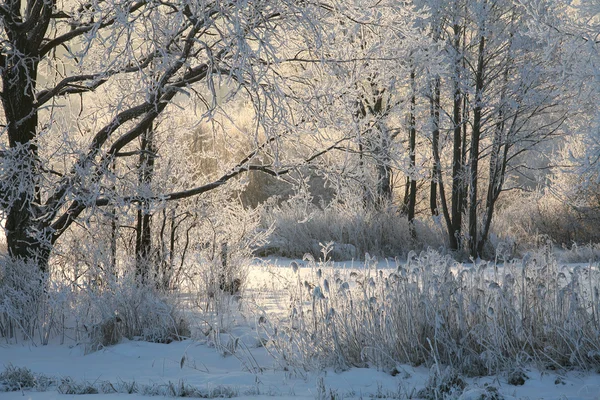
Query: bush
(25, 301)
(528, 219)
(300, 226)
(126, 308)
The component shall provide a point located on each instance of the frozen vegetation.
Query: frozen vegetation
(428, 327)
(330, 199)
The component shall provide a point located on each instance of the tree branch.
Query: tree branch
(84, 29)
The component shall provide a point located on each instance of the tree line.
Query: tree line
(433, 107)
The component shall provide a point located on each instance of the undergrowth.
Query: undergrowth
(299, 226)
(477, 320)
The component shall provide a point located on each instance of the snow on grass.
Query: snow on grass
(153, 368)
(280, 340)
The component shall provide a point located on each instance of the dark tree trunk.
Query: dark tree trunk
(382, 150)
(412, 132)
(437, 167)
(435, 142)
(454, 230)
(384, 185)
(113, 236)
(474, 153)
(143, 243)
(494, 190)
(27, 234)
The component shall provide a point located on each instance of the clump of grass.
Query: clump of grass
(19, 378)
(182, 389)
(16, 378)
(443, 384)
(69, 386)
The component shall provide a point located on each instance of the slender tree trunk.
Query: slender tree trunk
(474, 153)
(144, 217)
(437, 167)
(497, 178)
(384, 171)
(163, 256)
(172, 237)
(382, 156)
(412, 198)
(113, 236)
(454, 230)
(435, 142)
(366, 196)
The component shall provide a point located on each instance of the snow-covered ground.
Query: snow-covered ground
(155, 368)
(203, 368)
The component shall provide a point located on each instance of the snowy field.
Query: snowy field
(156, 369)
(236, 361)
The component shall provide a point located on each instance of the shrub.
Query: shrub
(126, 308)
(527, 219)
(23, 296)
(300, 226)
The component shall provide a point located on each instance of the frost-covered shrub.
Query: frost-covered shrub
(587, 253)
(227, 235)
(31, 305)
(22, 294)
(125, 308)
(524, 219)
(300, 226)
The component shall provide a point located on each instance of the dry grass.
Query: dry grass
(479, 320)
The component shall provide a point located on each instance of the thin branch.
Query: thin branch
(45, 49)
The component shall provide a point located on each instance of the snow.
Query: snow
(251, 373)
(160, 364)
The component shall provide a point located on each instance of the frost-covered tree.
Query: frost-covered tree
(570, 34)
(494, 102)
(82, 81)
(364, 89)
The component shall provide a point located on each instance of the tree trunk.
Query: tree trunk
(454, 230)
(474, 154)
(143, 243)
(113, 236)
(382, 149)
(437, 167)
(435, 143)
(384, 170)
(384, 185)
(27, 234)
(412, 198)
